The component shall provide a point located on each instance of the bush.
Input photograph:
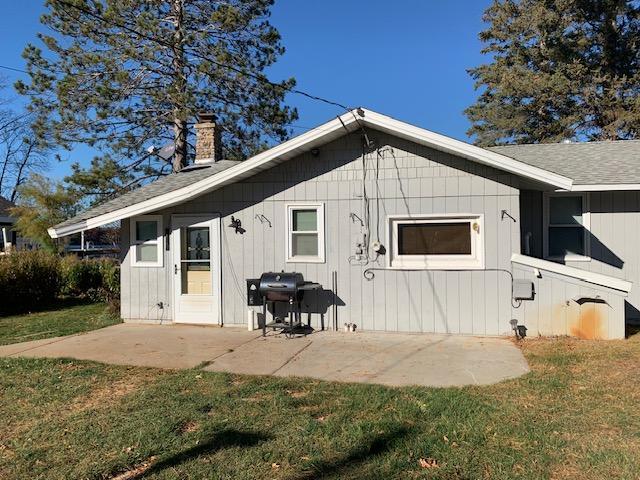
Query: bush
(32, 280)
(29, 281)
(80, 277)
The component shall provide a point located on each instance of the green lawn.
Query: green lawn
(576, 415)
(64, 321)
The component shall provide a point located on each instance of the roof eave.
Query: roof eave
(466, 150)
(350, 121)
(605, 187)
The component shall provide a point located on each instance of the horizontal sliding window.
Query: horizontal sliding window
(437, 242)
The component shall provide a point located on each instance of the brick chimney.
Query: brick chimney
(208, 139)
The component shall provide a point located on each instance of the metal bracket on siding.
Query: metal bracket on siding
(262, 219)
(504, 213)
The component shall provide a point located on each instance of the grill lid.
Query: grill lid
(286, 282)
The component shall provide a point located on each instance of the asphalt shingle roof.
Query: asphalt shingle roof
(159, 187)
(588, 163)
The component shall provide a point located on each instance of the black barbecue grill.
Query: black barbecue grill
(280, 287)
(284, 291)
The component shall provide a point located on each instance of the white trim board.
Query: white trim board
(611, 187)
(589, 277)
(350, 121)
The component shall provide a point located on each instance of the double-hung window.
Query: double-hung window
(146, 241)
(566, 226)
(305, 233)
(438, 242)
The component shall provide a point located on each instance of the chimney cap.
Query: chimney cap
(206, 117)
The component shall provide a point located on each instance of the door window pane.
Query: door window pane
(196, 278)
(565, 210)
(195, 243)
(305, 220)
(147, 253)
(146, 230)
(304, 244)
(566, 240)
(434, 239)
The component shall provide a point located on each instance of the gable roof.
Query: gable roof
(173, 191)
(591, 165)
(161, 186)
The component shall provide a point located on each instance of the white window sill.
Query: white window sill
(146, 265)
(398, 264)
(304, 260)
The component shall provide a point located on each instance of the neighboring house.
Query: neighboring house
(8, 236)
(424, 233)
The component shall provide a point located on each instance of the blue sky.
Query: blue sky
(407, 59)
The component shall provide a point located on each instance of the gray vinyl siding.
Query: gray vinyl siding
(412, 179)
(614, 237)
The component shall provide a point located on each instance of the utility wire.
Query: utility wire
(13, 69)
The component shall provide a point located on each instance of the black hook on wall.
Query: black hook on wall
(260, 217)
(506, 214)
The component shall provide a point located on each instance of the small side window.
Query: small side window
(566, 227)
(305, 233)
(146, 241)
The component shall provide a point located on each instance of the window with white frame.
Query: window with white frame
(566, 227)
(305, 233)
(146, 241)
(439, 242)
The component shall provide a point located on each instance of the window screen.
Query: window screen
(434, 238)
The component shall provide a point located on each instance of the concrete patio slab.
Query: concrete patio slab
(162, 346)
(384, 358)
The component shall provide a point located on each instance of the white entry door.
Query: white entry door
(196, 268)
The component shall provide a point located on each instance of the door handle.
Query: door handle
(175, 269)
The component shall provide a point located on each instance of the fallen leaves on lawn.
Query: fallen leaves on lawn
(428, 463)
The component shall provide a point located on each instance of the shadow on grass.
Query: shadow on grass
(353, 459)
(218, 441)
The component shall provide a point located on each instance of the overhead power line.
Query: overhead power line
(13, 69)
(202, 57)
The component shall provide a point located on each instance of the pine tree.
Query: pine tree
(124, 75)
(559, 69)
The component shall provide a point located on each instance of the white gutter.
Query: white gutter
(604, 187)
(589, 277)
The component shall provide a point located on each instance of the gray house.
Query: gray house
(407, 230)
(8, 236)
